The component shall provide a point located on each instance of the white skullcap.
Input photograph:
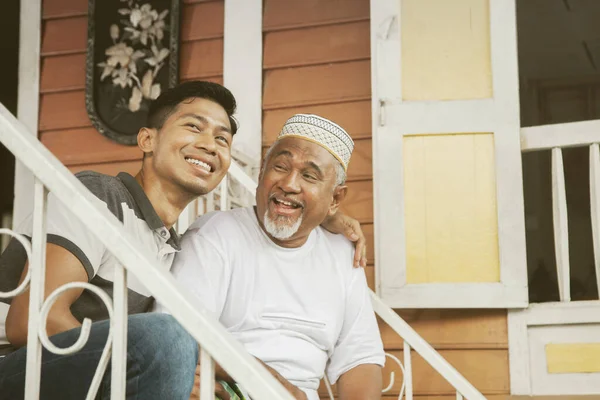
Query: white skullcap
(323, 132)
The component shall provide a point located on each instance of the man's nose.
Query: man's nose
(290, 183)
(207, 143)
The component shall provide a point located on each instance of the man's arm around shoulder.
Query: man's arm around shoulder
(363, 382)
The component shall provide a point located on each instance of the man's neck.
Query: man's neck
(167, 200)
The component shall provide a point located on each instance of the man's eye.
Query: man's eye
(310, 177)
(279, 167)
(223, 139)
(193, 126)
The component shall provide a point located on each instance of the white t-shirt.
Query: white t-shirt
(302, 311)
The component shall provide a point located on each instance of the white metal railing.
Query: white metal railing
(556, 137)
(216, 343)
(412, 340)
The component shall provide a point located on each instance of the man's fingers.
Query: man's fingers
(221, 392)
(351, 235)
(363, 259)
(360, 258)
(360, 244)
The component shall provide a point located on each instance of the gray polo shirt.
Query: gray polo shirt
(125, 198)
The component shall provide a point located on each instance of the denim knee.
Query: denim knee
(164, 351)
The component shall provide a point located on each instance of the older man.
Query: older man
(280, 283)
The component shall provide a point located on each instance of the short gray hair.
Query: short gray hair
(340, 172)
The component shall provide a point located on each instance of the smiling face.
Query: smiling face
(192, 149)
(297, 190)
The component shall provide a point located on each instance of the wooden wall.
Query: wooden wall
(316, 60)
(64, 125)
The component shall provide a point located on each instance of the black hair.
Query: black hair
(167, 102)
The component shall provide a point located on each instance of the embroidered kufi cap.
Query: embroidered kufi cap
(323, 132)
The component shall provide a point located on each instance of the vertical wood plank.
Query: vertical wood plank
(242, 70)
(561, 225)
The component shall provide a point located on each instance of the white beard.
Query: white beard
(280, 227)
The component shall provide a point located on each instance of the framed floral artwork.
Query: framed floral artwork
(132, 55)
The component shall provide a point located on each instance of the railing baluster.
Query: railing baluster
(408, 384)
(210, 202)
(224, 195)
(458, 396)
(200, 208)
(37, 264)
(561, 225)
(207, 376)
(595, 206)
(119, 321)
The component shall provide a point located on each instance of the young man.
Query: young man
(187, 151)
(281, 284)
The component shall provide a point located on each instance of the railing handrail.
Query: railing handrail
(239, 175)
(207, 331)
(545, 137)
(424, 349)
(557, 137)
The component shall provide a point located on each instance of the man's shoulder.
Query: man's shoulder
(109, 189)
(103, 186)
(222, 222)
(337, 241)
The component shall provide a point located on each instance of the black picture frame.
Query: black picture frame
(107, 104)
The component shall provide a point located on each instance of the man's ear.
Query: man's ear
(146, 140)
(339, 194)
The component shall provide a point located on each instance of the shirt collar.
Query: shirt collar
(148, 212)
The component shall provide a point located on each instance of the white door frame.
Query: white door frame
(28, 99)
(393, 117)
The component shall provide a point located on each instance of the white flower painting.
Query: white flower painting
(137, 54)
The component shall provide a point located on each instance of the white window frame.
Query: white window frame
(392, 117)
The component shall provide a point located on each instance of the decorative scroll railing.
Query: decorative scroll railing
(215, 342)
(555, 138)
(412, 340)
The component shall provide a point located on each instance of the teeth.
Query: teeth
(199, 163)
(287, 203)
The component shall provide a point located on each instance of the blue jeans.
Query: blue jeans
(161, 360)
